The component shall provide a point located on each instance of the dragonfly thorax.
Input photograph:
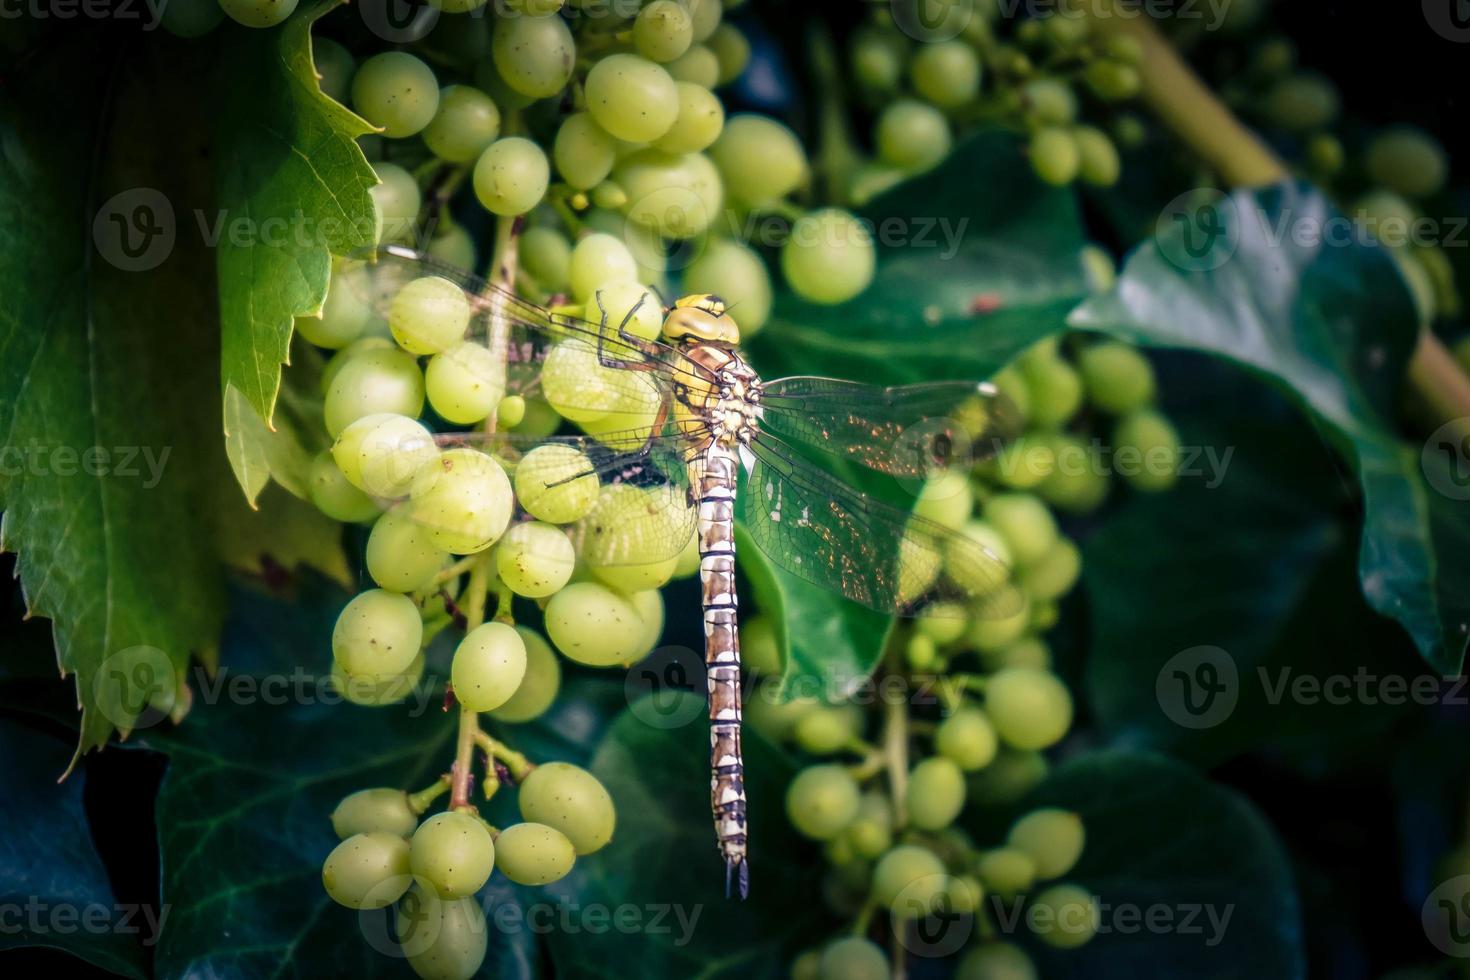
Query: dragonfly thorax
(727, 408)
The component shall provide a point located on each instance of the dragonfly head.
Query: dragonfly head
(701, 318)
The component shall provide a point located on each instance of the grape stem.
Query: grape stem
(520, 767)
(896, 753)
(424, 798)
(1197, 117)
(462, 773)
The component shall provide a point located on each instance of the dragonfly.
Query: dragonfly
(713, 443)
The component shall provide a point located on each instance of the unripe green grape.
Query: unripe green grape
(699, 65)
(699, 122)
(807, 966)
(776, 719)
(912, 135)
(545, 487)
(1055, 156)
(540, 684)
(1097, 157)
(396, 92)
(1079, 482)
(829, 258)
(593, 625)
(822, 800)
(1387, 215)
(996, 961)
(946, 73)
(1064, 30)
(258, 13)
(967, 739)
(511, 411)
(510, 177)
(1155, 443)
(732, 51)
(442, 938)
(1023, 464)
(1408, 161)
(488, 666)
(993, 632)
(607, 550)
(1024, 522)
(346, 309)
(1006, 871)
(946, 499)
(373, 382)
(1053, 837)
(649, 605)
(1011, 776)
(537, 8)
(535, 559)
(459, 7)
(573, 801)
(381, 810)
(1113, 81)
(534, 854)
(825, 730)
(731, 269)
(632, 98)
(964, 894)
(663, 30)
(1099, 267)
(1050, 102)
(853, 958)
(535, 55)
(942, 622)
(380, 454)
(1053, 574)
(401, 557)
(1056, 392)
(367, 871)
(1064, 916)
(596, 259)
(196, 18)
(1302, 102)
(464, 499)
(936, 793)
(453, 852)
(760, 159)
(1118, 378)
(465, 382)
(877, 58)
(675, 195)
(868, 839)
(706, 16)
(377, 633)
(396, 201)
(609, 196)
(760, 651)
(910, 880)
(916, 569)
(546, 255)
(377, 690)
(466, 122)
(989, 540)
(627, 307)
(584, 154)
(1028, 651)
(428, 315)
(334, 496)
(1030, 709)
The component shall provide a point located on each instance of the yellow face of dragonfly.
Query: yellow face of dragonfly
(701, 317)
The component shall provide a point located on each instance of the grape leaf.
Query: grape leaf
(292, 189)
(1333, 322)
(282, 532)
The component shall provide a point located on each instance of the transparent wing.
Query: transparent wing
(907, 431)
(611, 369)
(823, 531)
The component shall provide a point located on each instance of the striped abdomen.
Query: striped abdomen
(716, 496)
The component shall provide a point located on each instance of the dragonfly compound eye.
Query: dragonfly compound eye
(701, 318)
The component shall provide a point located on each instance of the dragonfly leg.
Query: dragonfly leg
(632, 340)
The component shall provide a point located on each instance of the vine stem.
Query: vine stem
(461, 774)
(1182, 101)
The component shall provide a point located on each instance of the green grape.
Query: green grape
(941, 622)
(609, 195)
(583, 152)
(1408, 161)
(706, 15)
(989, 540)
(1079, 482)
(1064, 916)
(1055, 155)
(457, 6)
(511, 411)
(465, 382)
(1006, 871)
(396, 200)
(367, 871)
(1097, 157)
(545, 488)
(571, 800)
(464, 499)
(540, 684)
(538, 8)
(822, 800)
(1113, 81)
(1064, 30)
(911, 135)
(776, 719)
(1117, 377)
(428, 315)
(1056, 391)
(346, 309)
(1024, 522)
(377, 633)
(825, 730)
(1049, 102)
(535, 55)
(917, 572)
(380, 454)
(853, 958)
(877, 58)
(936, 793)
(400, 555)
(511, 176)
(946, 499)
(443, 939)
(1054, 838)
(546, 256)
(987, 633)
(967, 739)
(675, 195)
(535, 559)
(1388, 216)
(377, 690)
(663, 30)
(453, 246)
(699, 66)
(964, 894)
(731, 50)
(534, 854)
(733, 270)
(1030, 709)
(1099, 268)
(613, 555)
(910, 880)
(829, 258)
(649, 605)
(807, 966)
(594, 625)
(760, 159)
(871, 833)
(687, 564)
(466, 122)
(368, 811)
(627, 307)
(596, 259)
(699, 122)
(1024, 464)
(996, 961)
(374, 382)
(1028, 651)
(1154, 445)
(1053, 574)
(760, 651)
(1011, 776)
(396, 92)
(196, 18)
(488, 666)
(632, 98)
(453, 852)
(258, 13)
(578, 385)
(946, 73)
(333, 495)
(1302, 102)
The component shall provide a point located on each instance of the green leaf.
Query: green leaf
(281, 532)
(1335, 324)
(1222, 859)
(293, 181)
(977, 260)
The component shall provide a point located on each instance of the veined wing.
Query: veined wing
(908, 431)
(824, 531)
